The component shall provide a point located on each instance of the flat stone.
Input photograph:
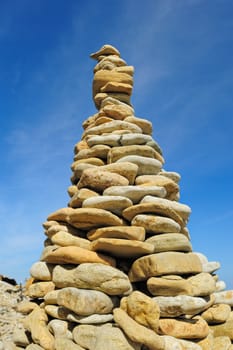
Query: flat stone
(95, 276)
(117, 112)
(207, 343)
(144, 124)
(71, 190)
(123, 248)
(41, 271)
(182, 305)
(223, 329)
(98, 151)
(154, 224)
(88, 161)
(171, 187)
(135, 139)
(92, 319)
(196, 328)
(80, 196)
(114, 204)
(85, 302)
(109, 140)
(86, 218)
(26, 307)
(76, 255)
(171, 175)
(57, 312)
(105, 50)
(102, 77)
(59, 328)
(56, 227)
(182, 209)
(117, 153)
(39, 289)
(218, 313)
(211, 266)
(32, 347)
(220, 286)
(203, 284)
(62, 343)
(112, 126)
(145, 165)
(99, 180)
(156, 208)
(222, 343)
(170, 285)
(142, 309)
(224, 297)
(36, 324)
(136, 332)
(51, 297)
(20, 337)
(117, 87)
(166, 263)
(125, 232)
(171, 343)
(125, 169)
(65, 239)
(135, 193)
(110, 101)
(103, 337)
(170, 242)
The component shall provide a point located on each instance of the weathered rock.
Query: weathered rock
(203, 284)
(170, 242)
(105, 50)
(123, 248)
(171, 285)
(144, 124)
(20, 337)
(124, 232)
(80, 196)
(115, 204)
(125, 169)
(62, 343)
(92, 276)
(65, 239)
(85, 302)
(145, 165)
(39, 289)
(41, 271)
(98, 151)
(164, 264)
(223, 329)
(154, 224)
(218, 313)
(224, 297)
(111, 127)
(59, 328)
(222, 343)
(117, 153)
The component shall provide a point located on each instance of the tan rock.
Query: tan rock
(145, 165)
(57, 312)
(137, 332)
(207, 343)
(170, 285)
(154, 224)
(182, 305)
(80, 196)
(117, 112)
(102, 77)
(166, 263)
(65, 239)
(56, 227)
(86, 218)
(156, 208)
(203, 284)
(117, 87)
(41, 271)
(92, 319)
(144, 124)
(115, 204)
(25, 307)
(126, 169)
(134, 193)
(218, 313)
(123, 248)
(93, 276)
(51, 297)
(32, 347)
(170, 242)
(62, 343)
(109, 140)
(105, 50)
(142, 309)
(117, 153)
(99, 180)
(39, 289)
(110, 101)
(182, 209)
(85, 302)
(223, 329)
(124, 232)
(102, 337)
(72, 190)
(76, 255)
(121, 96)
(127, 69)
(224, 297)
(90, 161)
(59, 328)
(20, 337)
(171, 175)
(112, 126)
(195, 328)
(222, 343)
(172, 343)
(98, 151)
(80, 145)
(36, 324)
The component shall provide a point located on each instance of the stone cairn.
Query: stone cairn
(118, 271)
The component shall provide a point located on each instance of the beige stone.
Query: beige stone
(89, 161)
(122, 248)
(65, 239)
(223, 329)
(59, 328)
(125, 169)
(142, 309)
(182, 305)
(114, 204)
(166, 263)
(95, 276)
(80, 146)
(121, 96)
(222, 343)
(117, 87)
(51, 297)
(195, 328)
(25, 307)
(105, 50)
(112, 126)
(76, 255)
(224, 297)
(102, 77)
(36, 324)
(80, 196)
(218, 313)
(156, 208)
(72, 190)
(102, 337)
(170, 285)
(86, 218)
(98, 151)
(20, 337)
(171, 343)
(117, 111)
(39, 289)
(137, 332)
(135, 193)
(145, 165)
(110, 101)
(171, 175)
(57, 312)
(127, 69)
(85, 302)
(144, 124)
(92, 319)
(182, 209)
(109, 140)
(170, 242)
(99, 180)
(32, 347)
(62, 343)
(41, 271)
(207, 343)
(203, 284)
(124, 232)
(154, 224)
(117, 153)
(56, 227)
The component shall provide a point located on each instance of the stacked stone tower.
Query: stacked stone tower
(117, 271)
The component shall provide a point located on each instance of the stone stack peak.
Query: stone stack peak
(118, 271)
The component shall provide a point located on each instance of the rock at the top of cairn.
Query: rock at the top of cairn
(118, 271)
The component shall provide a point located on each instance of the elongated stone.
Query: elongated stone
(117, 153)
(112, 126)
(66, 239)
(114, 204)
(218, 313)
(154, 224)
(41, 271)
(170, 285)
(125, 232)
(224, 297)
(170, 242)
(145, 165)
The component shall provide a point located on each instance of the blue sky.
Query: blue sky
(182, 53)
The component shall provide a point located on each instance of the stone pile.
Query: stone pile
(118, 271)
